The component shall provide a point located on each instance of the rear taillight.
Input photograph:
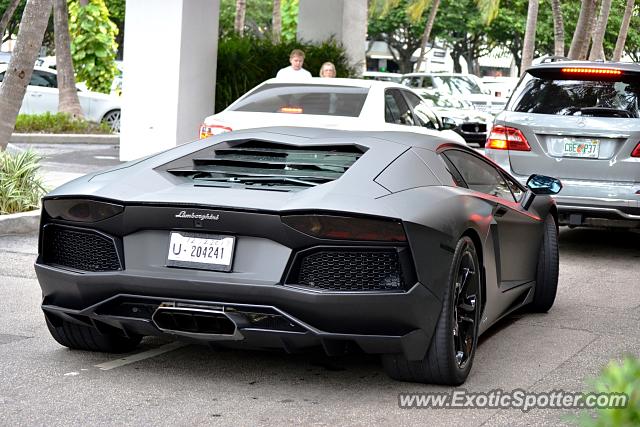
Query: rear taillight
(209, 130)
(636, 151)
(507, 138)
(346, 228)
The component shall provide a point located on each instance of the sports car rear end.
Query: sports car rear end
(246, 241)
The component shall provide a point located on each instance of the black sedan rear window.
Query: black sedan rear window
(290, 98)
(594, 98)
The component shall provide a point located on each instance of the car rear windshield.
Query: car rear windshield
(571, 97)
(325, 100)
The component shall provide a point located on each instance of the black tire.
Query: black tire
(82, 337)
(449, 358)
(547, 273)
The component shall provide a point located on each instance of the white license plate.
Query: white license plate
(202, 251)
(581, 148)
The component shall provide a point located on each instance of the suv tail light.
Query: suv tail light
(209, 130)
(507, 138)
(636, 151)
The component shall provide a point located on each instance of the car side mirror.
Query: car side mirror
(540, 184)
(448, 123)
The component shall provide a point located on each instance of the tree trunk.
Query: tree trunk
(241, 9)
(6, 17)
(624, 29)
(584, 53)
(276, 21)
(558, 28)
(14, 85)
(581, 35)
(597, 48)
(68, 101)
(529, 44)
(427, 33)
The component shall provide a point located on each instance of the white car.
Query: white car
(500, 86)
(382, 76)
(467, 86)
(348, 104)
(42, 97)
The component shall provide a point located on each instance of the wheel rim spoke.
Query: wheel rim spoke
(465, 309)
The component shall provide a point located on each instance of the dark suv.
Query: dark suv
(578, 121)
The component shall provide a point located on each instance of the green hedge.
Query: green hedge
(246, 62)
(57, 123)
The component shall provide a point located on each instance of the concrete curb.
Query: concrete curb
(51, 138)
(20, 223)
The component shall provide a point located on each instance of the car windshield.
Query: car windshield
(460, 85)
(577, 97)
(443, 101)
(326, 100)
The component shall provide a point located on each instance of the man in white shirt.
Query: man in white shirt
(295, 70)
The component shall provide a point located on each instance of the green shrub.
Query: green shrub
(617, 378)
(57, 123)
(20, 185)
(245, 62)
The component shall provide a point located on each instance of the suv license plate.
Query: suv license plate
(581, 148)
(201, 251)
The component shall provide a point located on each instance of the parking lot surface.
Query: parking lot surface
(596, 317)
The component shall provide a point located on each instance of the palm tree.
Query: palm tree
(597, 48)
(32, 26)
(276, 21)
(528, 46)
(558, 28)
(68, 101)
(427, 32)
(6, 17)
(241, 10)
(581, 34)
(624, 29)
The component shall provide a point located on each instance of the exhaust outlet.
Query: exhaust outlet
(196, 322)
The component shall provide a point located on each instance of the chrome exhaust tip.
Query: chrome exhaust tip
(199, 322)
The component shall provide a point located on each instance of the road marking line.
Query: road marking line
(140, 356)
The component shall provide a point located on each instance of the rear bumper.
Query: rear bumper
(597, 203)
(377, 322)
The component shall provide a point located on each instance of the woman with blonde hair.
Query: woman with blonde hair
(328, 70)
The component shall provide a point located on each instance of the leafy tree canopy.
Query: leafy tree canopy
(93, 46)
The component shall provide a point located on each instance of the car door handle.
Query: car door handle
(500, 211)
(36, 95)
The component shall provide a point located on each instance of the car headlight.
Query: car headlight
(81, 210)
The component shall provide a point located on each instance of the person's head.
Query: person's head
(296, 58)
(328, 70)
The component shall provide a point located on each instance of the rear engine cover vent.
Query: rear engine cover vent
(269, 166)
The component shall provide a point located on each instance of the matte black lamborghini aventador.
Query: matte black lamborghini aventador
(394, 243)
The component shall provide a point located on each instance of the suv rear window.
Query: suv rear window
(325, 100)
(555, 95)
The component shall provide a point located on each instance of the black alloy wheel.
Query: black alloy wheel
(465, 309)
(453, 345)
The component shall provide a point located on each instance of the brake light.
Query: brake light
(636, 151)
(209, 130)
(507, 138)
(346, 228)
(593, 71)
(291, 110)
